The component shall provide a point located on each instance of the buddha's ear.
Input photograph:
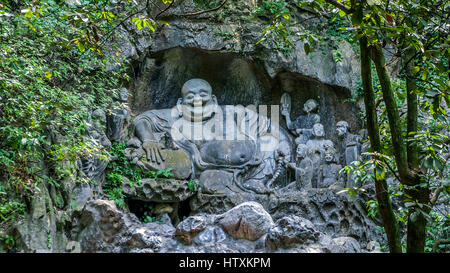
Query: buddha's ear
(179, 105)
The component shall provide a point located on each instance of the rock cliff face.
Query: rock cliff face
(223, 51)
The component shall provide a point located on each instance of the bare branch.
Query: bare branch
(435, 196)
(391, 169)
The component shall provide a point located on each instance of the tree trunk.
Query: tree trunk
(411, 97)
(417, 222)
(408, 177)
(390, 222)
(398, 143)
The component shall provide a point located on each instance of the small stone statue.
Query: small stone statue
(302, 126)
(302, 167)
(365, 144)
(329, 172)
(316, 149)
(350, 143)
(93, 167)
(319, 142)
(349, 148)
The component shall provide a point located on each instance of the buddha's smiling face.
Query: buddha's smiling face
(196, 95)
(197, 100)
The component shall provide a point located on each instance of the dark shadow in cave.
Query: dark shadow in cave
(184, 209)
(143, 209)
(139, 207)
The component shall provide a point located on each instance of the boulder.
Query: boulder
(248, 221)
(189, 228)
(291, 230)
(349, 244)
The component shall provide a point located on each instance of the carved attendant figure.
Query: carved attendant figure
(302, 126)
(303, 168)
(94, 167)
(349, 148)
(316, 149)
(329, 173)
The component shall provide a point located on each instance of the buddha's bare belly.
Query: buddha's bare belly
(227, 152)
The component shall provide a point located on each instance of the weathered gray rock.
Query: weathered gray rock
(349, 244)
(334, 214)
(218, 193)
(73, 247)
(373, 247)
(101, 227)
(115, 123)
(159, 190)
(248, 221)
(82, 193)
(187, 229)
(211, 235)
(40, 230)
(143, 237)
(291, 230)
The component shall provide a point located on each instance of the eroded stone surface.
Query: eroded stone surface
(188, 228)
(159, 190)
(291, 230)
(101, 227)
(246, 221)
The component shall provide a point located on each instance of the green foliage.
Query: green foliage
(372, 208)
(147, 216)
(438, 228)
(49, 241)
(360, 171)
(225, 35)
(166, 173)
(337, 27)
(192, 185)
(49, 82)
(9, 209)
(270, 9)
(278, 34)
(8, 241)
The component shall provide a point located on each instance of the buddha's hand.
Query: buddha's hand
(153, 150)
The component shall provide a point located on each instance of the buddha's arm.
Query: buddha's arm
(143, 130)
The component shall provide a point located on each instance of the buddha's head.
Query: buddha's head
(197, 101)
